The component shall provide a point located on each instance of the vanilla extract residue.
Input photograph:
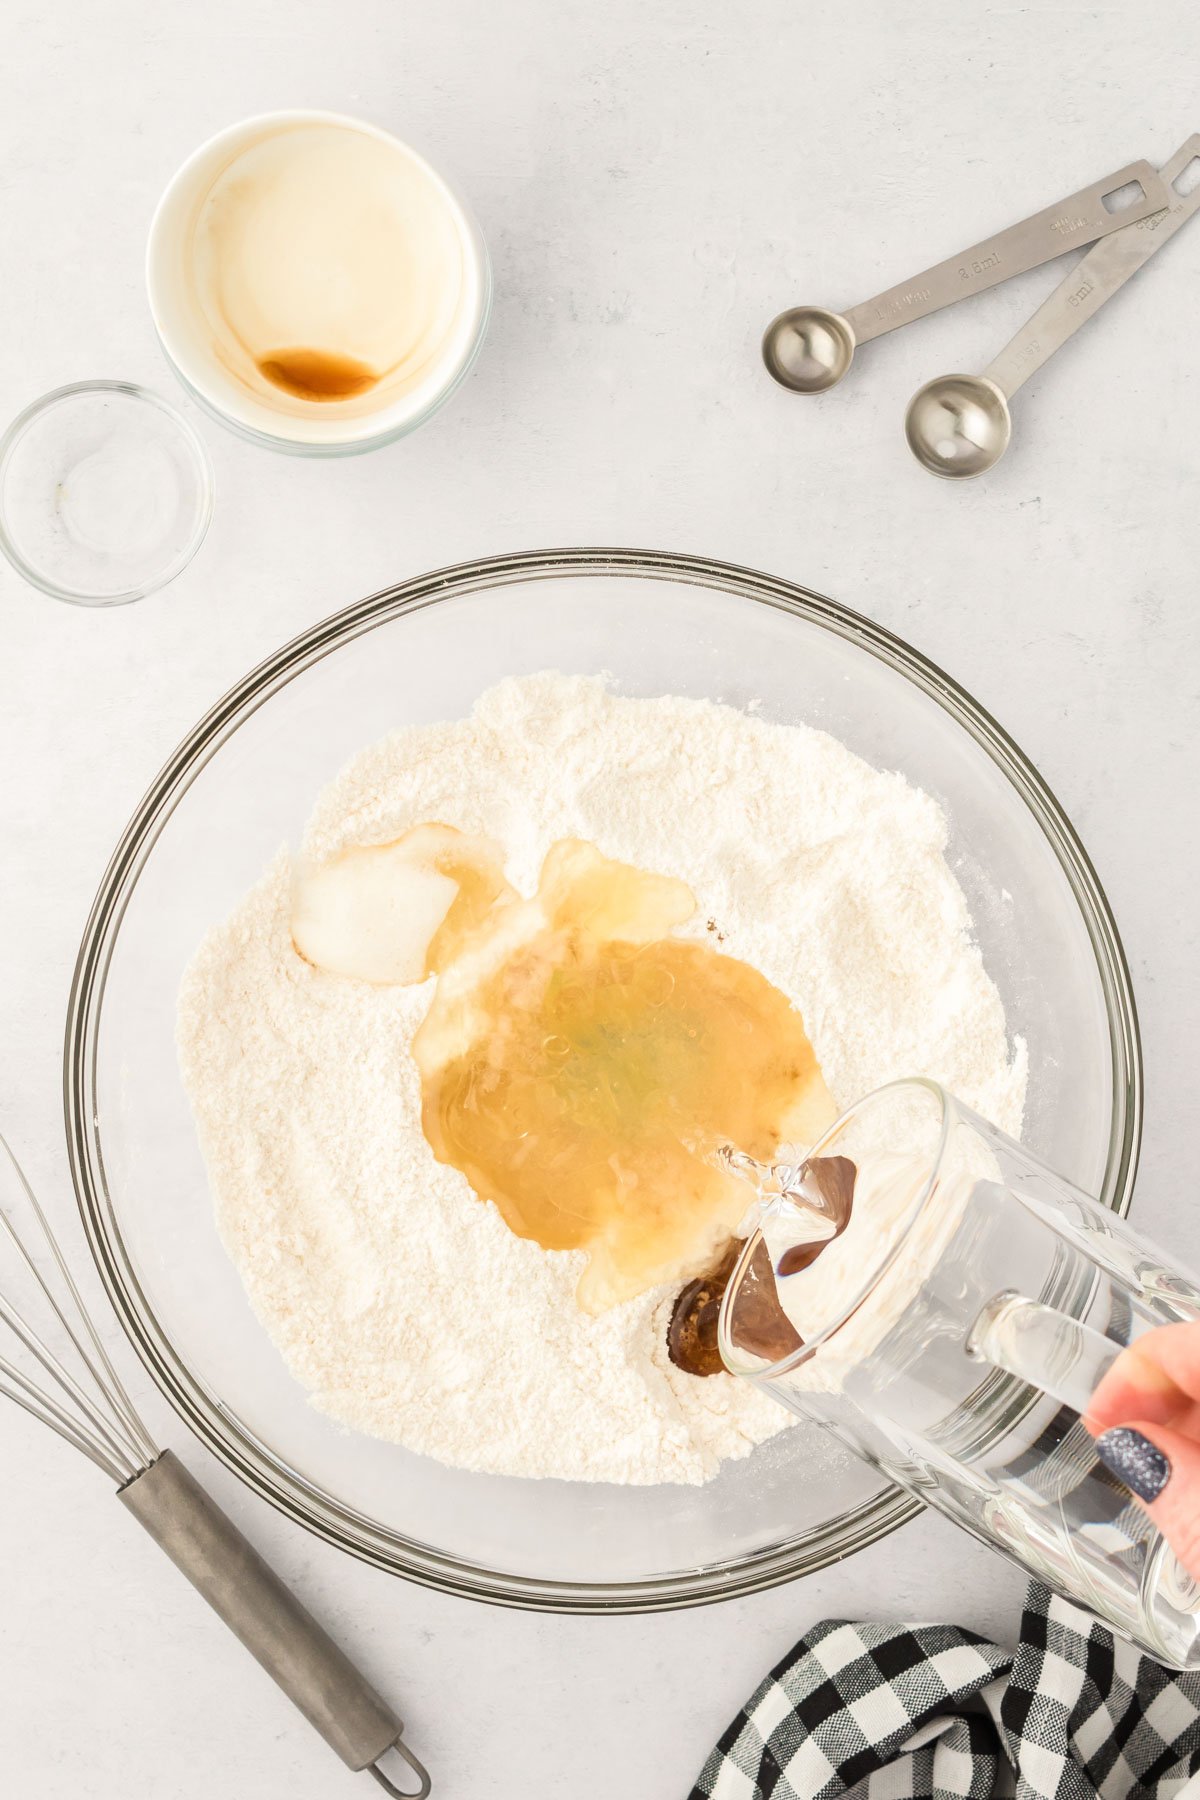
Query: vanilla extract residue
(321, 375)
(580, 1063)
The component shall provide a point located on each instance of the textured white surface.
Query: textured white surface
(655, 181)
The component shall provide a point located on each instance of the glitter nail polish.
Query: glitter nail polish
(1134, 1460)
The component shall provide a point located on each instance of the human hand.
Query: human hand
(1145, 1417)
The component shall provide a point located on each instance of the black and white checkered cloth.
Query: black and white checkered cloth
(933, 1712)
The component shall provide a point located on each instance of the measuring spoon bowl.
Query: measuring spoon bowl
(958, 425)
(808, 349)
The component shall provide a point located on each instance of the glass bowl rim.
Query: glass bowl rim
(201, 463)
(265, 1473)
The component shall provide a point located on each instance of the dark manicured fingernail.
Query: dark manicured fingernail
(1137, 1462)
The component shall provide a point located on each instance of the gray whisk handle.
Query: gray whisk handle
(263, 1613)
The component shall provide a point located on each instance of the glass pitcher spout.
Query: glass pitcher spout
(809, 1193)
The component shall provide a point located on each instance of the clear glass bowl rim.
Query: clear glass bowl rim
(205, 483)
(287, 1489)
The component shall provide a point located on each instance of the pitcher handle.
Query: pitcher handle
(1065, 1358)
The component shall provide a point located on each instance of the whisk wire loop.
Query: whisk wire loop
(17, 1387)
(103, 1425)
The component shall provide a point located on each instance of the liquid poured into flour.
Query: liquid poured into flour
(579, 1064)
(403, 1306)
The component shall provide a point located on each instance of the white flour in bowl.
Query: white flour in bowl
(405, 1305)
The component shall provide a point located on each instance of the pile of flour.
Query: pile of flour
(404, 1304)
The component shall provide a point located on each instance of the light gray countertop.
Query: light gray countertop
(655, 181)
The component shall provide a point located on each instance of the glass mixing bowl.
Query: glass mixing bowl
(243, 783)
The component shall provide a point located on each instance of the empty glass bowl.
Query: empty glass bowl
(106, 493)
(244, 781)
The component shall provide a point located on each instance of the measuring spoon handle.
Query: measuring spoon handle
(1079, 219)
(1105, 269)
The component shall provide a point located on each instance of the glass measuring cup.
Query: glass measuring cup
(952, 1335)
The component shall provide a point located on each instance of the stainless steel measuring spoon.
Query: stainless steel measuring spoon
(960, 425)
(809, 349)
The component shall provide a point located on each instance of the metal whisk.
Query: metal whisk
(75, 1390)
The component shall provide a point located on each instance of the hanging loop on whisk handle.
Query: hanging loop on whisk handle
(280, 1633)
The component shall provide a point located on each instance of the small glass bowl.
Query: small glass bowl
(106, 493)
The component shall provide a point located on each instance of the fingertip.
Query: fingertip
(1134, 1388)
(1161, 1468)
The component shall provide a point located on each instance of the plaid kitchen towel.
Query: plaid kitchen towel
(933, 1712)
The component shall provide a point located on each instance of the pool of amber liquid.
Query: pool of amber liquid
(582, 1066)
